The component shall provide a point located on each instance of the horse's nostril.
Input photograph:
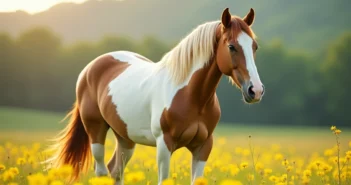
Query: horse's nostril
(251, 92)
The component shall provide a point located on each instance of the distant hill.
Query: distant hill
(299, 23)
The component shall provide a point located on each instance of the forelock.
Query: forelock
(237, 26)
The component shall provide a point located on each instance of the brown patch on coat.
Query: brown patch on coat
(194, 113)
(93, 93)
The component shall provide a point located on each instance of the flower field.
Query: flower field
(245, 160)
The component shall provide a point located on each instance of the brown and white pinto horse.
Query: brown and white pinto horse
(168, 104)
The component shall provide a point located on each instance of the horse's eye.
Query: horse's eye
(231, 48)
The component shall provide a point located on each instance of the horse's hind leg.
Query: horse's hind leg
(123, 152)
(96, 129)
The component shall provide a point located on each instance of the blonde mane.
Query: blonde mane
(195, 49)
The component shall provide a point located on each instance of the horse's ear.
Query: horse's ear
(226, 18)
(250, 17)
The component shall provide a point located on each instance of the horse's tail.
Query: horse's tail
(72, 146)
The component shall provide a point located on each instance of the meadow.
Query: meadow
(242, 154)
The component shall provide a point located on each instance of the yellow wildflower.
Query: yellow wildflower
(136, 166)
(12, 183)
(201, 181)
(320, 173)
(306, 181)
(174, 175)
(285, 162)
(207, 170)
(134, 177)
(56, 182)
(273, 178)
(278, 156)
(244, 165)
(186, 174)
(168, 182)
(53, 174)
(267, 172)
(65, 171)
(230, 182)
(101, 180)
(7, 175)
(259, 166)
(327, 168)
(245, 152)
(224, 168)
(234, 170)
(348, 153)
(283, 178)
(317, 164)
(2, 167)
(307, 173)
(37, 179)
(333, 128)
(14, 170)
(21, 161)
(337, 131)
(250, 177)
(329, 152)
(280, 183)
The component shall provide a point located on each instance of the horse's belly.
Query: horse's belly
(142, 136)
(137, 120)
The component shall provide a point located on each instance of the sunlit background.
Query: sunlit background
(304, 61)
(31, 6)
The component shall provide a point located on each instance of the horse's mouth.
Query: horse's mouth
(248, 99)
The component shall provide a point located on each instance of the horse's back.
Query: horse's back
(103, 69)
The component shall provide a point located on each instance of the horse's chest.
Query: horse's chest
(190, 129)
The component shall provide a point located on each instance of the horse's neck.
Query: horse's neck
(203, 84)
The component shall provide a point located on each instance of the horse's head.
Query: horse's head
(236, 52)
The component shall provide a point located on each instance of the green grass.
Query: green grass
(23, 125)
(16, 119)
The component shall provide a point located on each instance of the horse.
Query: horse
(167, 104)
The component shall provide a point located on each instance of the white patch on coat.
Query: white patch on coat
(198, 169)
(163, 159)
(98, 151)
(245, 41)
(141, 94)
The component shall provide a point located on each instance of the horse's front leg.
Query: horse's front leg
(163, 159)
(200, 155)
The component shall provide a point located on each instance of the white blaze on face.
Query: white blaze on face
(245, 41)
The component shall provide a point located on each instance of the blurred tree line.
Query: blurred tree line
(38, 71)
